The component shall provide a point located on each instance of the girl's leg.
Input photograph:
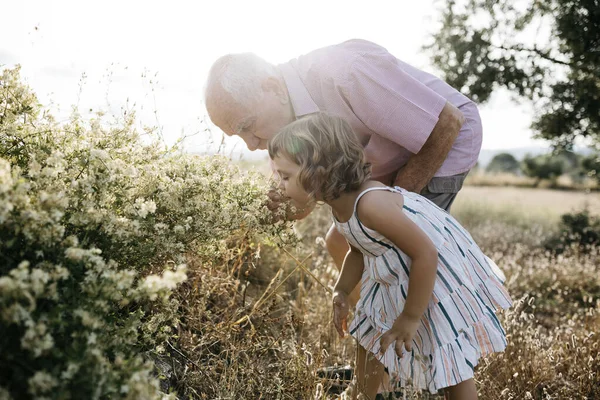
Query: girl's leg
(465, 390)
(369, 373)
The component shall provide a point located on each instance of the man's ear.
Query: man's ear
(277, 87)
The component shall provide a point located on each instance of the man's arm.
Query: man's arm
(421, 167)
(402, 109)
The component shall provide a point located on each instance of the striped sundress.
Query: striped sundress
(459, 325)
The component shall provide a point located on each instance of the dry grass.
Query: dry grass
(275, 353)
(536, 202)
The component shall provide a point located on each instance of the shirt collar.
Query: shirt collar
(302, 103)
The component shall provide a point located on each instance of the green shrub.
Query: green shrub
(96, 226)
(541, 167)
(503, 162)
(576, 229)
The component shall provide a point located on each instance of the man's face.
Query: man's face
(257, 124)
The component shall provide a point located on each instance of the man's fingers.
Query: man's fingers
(274, 196)
(273, 205)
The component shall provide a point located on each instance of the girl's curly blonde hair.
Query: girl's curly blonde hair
(331, 159)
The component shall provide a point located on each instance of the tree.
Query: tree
(503, 162)
(542, 167)
(544, 51)
(591, 166)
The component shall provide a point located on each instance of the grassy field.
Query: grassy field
(267, 324)
(553, 351)
(539, 202)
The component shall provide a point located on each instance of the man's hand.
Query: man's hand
(284, 208)
(341, 307)
(276, 198)
(403, 331)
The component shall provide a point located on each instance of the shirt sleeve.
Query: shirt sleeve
(391, 102)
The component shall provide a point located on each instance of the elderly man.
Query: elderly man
(417, 131)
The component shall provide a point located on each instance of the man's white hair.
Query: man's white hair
(241, 75)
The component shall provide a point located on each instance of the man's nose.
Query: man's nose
(251, 142)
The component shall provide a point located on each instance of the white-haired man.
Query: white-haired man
(418, 132)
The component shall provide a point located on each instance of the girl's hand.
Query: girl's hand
(403, 331)
(341, 307)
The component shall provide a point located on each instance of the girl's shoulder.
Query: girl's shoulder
(378, 198)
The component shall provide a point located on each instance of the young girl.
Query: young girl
(428, 295)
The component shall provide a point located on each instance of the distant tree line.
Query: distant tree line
(548, 166)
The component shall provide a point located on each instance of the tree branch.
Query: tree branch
(539, 52)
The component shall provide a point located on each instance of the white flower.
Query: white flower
(6, 181)
(131, 171)
(34, 168)
(86, 318)
(41, 382)
(39, 279)
(7, 284)
(154, 284)
(91, 338)
(36, 339)
(75, 254)
(145, 207)
(160, 227)
(72, 369)
(99, 154)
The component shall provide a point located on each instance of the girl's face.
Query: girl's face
(288, 173)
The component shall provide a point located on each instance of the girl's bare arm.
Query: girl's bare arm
(382, 211)
(352, 270)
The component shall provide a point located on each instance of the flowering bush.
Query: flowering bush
(96, 226)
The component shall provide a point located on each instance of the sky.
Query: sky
(153, 56)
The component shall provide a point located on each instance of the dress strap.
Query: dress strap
(361, 194)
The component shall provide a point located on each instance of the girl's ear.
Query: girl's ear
(317, 181)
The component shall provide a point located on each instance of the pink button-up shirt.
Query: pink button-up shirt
(391, 105)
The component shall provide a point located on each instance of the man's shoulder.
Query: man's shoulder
(337, 58)
(361, 46)
(348, 49)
